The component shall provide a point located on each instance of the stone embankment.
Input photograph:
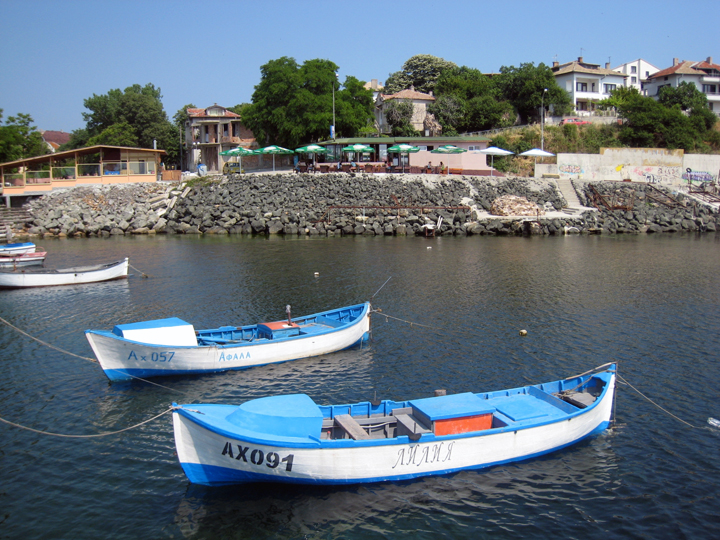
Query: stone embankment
(349, 204)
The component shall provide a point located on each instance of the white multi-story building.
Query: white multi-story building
(704, 75)
(587, 83)
(637, 71)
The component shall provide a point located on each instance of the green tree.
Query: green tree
(399, 113)
(19, 139)
(689, 99)
(131, 117)
(449, 111)
(181, 116)
(293, 104)
(356, 105)
(479, 103)
(525, 86)
(420, 71)
(121, 134)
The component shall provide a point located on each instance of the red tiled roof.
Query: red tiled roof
(409, 94)
(686, 67)
(196, 113)
(55, 137)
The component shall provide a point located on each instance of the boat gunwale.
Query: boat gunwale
(317, 443)
(254, 343)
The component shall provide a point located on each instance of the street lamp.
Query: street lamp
(332, 128)
(542, 120)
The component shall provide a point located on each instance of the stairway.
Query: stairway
(12, 219)
(568, 192)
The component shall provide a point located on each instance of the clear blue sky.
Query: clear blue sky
(56, 53)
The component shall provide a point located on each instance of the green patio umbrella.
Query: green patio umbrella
(275, 150)
(239, 152)
(403, 149)
(312, 149)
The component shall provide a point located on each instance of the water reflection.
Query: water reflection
(446, 506)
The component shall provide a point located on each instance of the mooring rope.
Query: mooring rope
(45, 343)
(81, 357)
(141, 273)
(84, 436)
(651, 401)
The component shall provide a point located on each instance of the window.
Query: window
(709, 88)
(633, 69)
(633, 80)
(647, 74)
(609, 87)
(581, 87)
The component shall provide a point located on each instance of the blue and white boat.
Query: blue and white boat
(17, 248)
(173, 347)
(290, 438)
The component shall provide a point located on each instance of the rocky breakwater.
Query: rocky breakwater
(356, 204)
(295, 204)
(630, 207)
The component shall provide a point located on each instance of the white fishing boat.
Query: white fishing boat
(173, 347)
(291, 439)
(35, 258)
(17, 248)
(45, 277)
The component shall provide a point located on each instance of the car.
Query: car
(575, 120)
(231, 167)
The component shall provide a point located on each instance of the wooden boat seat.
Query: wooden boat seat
(408, 425)
(353, 429)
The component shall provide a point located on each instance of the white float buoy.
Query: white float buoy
(429, 247)
(714, 422)
(317, 274)
(523, 332)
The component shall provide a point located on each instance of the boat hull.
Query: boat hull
(68, 276)
(17, 248)
(123, 359)
(36, 258)
(212, 456)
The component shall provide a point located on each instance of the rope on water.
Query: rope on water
(382, 314)
(143, 274)
(81, 357)
(84, 436)
(651, 401)
(46, 343)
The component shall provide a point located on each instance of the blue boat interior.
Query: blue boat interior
(297, 419)
(301, 326)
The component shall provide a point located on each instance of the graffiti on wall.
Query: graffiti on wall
(662, 174)
(570, 169)
(698, 177)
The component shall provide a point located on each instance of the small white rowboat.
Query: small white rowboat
(35, 258)
(173, 347)
(292, 439)
(45, 277)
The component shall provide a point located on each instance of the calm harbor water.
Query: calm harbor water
(649, 303)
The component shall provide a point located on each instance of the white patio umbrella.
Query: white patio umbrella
(536, 152)
(493, 151)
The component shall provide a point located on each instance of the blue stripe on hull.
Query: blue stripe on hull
(128, 374)
(210, 475)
